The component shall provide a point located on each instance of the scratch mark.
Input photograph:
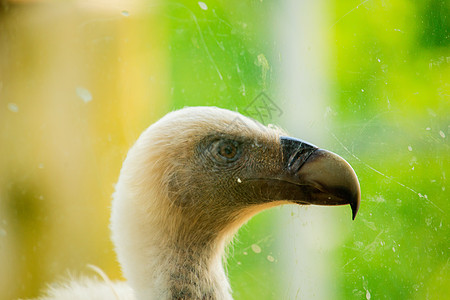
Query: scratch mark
(263, 240)
(367, 123)
(215, 39)
(364, 250)
(352, 10)
(220, 19)
(194, 18)
(384, 175)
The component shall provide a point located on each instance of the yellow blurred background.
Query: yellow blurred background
(79, 81)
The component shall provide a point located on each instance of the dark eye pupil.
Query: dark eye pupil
(228, 151)
(225, 151)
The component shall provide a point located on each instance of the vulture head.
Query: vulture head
(193, 178)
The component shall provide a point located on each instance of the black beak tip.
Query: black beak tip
(355, 205)
(354, 210)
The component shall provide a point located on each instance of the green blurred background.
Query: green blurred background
(369, 80)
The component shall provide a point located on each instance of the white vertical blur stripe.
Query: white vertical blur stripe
(307, 233)
(304, 53)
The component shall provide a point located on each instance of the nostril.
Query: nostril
(295, 153)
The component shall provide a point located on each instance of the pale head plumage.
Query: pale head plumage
(160, 203)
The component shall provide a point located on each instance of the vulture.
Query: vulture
(187, 185)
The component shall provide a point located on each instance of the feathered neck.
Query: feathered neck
(161, 257)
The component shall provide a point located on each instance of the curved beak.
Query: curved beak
(304, 174)
(316, 176)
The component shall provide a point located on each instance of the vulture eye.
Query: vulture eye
(225, 150)
(228, 151)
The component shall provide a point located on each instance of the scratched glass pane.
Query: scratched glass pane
(368, 80)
